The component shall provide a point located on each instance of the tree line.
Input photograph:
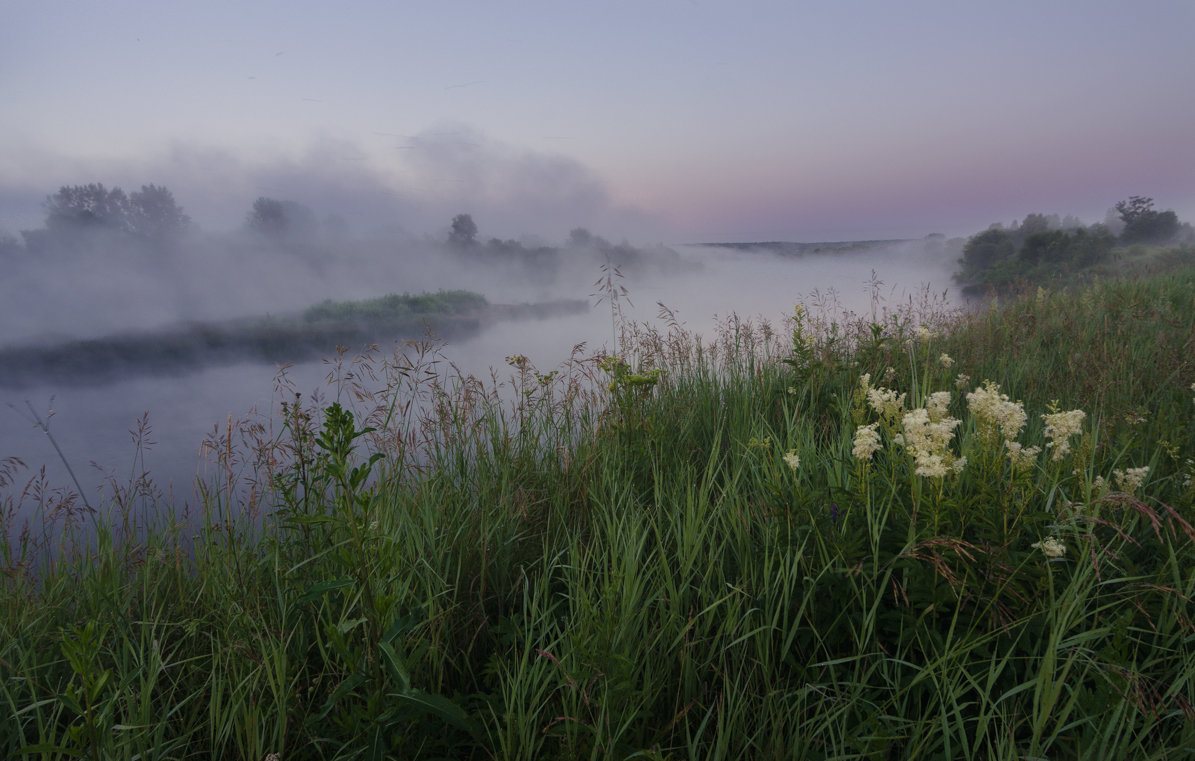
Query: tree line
(1044, 245)
(79, 217)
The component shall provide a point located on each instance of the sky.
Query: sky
(656, 120)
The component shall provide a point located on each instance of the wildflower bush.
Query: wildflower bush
(817, 541)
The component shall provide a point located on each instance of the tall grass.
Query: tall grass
(682, 551)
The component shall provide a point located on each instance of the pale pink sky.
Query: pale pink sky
(679, 120)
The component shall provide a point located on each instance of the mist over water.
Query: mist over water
(95, 423)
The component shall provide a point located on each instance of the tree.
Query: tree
(78, 208)
(464, 231)
(154, 215)
(1143, 224)
(279, 219)
(985, 250)
(150, 215)
(579, 237)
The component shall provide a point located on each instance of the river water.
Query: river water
(97, 426)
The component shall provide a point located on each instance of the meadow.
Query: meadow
(918, 533)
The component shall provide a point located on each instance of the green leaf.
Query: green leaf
(438, 706)
(395, 665)
(30, 750)
(318, 590)
(344, 688)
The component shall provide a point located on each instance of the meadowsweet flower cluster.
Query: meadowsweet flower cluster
(867, 441)
(946, 361)
(1060, 426)
(1021, 458)
(885, 401)
(1050, 547)
(1130, 479)
(792, 459)
(927, 434)
(996, 416)
(962, 381)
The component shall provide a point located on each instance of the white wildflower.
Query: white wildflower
(996, 416)
(886, 402)
(1050, 547)
(867, 441)
(937, 405)
(928, 441)
(1060, 426)
(930, 465)
(1130, 480)
(793, 460)
(946, 361)
(962, 381)
(1020, 457)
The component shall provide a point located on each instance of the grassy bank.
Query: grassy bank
(917, 535)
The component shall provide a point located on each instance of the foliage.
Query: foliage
(463, 232)
(1048, 251)
(1143, 223)
(828, 542)
(149, 215)
(394, 307)
(273, 218)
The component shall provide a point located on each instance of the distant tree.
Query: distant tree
(79, 212)
(267, 217)
(1049, 246)
(154, 215)
(1037, 223)
(1090, 246)
(579, 237)
(280, 219)
(79, 208)
(1144, 224)
(464, 231)
(984, 251)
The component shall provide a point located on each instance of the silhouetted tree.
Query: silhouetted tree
(985, 250)
(78, 208)
(154, 215)
(279, 219)
(1144, 224)
(463, 232)
(579, 237)
(149, 215)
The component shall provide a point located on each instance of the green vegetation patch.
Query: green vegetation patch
(392, 307)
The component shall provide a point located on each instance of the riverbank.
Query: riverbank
(915, 534)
